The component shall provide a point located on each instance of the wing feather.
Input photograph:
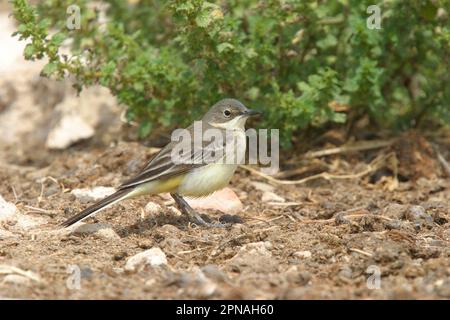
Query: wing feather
(162, 166)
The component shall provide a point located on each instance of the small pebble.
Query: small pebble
(415, 213)
(87, 195)
(151, 257)
(17, 280)
(7, 210)
(152, 208)
(271, 197)
(303, 254)
(102, 230)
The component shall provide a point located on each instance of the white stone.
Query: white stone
(11, 270)
(108, 233)
(16, 279)
(254, 257)
(303, 254)
(152, 257)
(86, 195)
(152, 208)
(94, 105)
(100, 229)
(175, 211)
(88, 228)
(261, 186)
(271, 197)
(26, 222)
(259, 248)
(70, 129)
(5, 234)
(198, 284)
(7, 210)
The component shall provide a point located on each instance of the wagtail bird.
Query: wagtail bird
(188, 175)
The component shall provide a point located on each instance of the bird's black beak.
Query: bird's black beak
(250, 112)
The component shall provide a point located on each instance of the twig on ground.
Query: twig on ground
(284, 204)
(358, 146)
(42, 182)
(345, 214)
(373, 166)
(350, 216)
(443, 162)
(15, 194)
(39, 210)
(313, 167)
(290, 217)
(266, 221)
(368, 254)
(194, 250)
(6, 269)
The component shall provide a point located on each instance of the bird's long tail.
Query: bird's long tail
(100, 205)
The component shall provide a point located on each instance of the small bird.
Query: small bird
(190, 178)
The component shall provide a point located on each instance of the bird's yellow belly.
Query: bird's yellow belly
(157, 186)
(205, 180)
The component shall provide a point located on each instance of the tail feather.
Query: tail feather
(102, 204)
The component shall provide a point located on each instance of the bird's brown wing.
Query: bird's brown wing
(162, 165)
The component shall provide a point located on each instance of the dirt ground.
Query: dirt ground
(324, 242)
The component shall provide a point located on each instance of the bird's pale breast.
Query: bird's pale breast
(205, 180)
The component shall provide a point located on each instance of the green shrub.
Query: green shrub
(168, 61)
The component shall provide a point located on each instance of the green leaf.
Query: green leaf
(225, 46)
(22, 28)
(203, 19)
(328, 42)
(44, 24)
(138, 86)
(49, 69)
(28, 51)
(429, 11)
(58, 38)
(145, 128)
(339, 117)
(187, 6)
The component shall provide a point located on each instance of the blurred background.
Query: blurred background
(309, 65)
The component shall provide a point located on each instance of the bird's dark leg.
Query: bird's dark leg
(191, 213)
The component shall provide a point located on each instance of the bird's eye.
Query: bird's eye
(227, 113)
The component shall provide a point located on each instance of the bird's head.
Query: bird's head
(229, 114)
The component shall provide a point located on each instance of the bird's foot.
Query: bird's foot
(193, 215)
(197, 219)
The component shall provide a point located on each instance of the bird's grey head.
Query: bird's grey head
(228, 114)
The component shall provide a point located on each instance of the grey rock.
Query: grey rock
(7, 210)
(395, 211)
(269, 196)
(16, 279)
(153, 257)
(70, 129)
(253, 257)
(152, 208)
(87, 195)
(102, 230)
(303, 254)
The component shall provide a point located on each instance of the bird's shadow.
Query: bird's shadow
(149, 223)
(163, 218)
